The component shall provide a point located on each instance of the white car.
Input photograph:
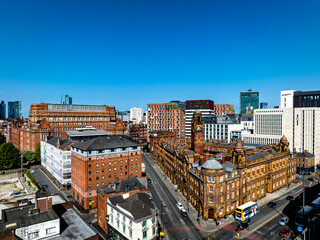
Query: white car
(179, 205)
(283, 221)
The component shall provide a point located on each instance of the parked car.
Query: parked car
(184, 212)
(284, 232)
(283, 221)
(44, 185)
(149, 180)
(272, 204)
(289, 198)
(179, 205)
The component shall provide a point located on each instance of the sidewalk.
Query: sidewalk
(192, 212)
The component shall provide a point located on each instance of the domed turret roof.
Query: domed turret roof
(238, 146)
(283, 139)
(212, 164)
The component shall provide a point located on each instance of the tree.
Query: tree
(38, 153)
(9, 156)
(2, 140)
(30, 156)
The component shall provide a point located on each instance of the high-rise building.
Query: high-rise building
(263, 105)
(299, 99)
(2, 110)
(136, 115)
(14, 109)
(123, 115)
(67, 100)
(98, 162)
(64, 117)
(249, 101)
(166, 117)
(223, 109)
(200, 104)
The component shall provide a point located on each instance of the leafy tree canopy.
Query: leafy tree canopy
(30, 156)
(9, 156)
(2, 139)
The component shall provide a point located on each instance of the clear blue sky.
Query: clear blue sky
(131, 53)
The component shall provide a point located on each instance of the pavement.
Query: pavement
(208, 226)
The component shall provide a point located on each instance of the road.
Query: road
(265, 224)
(43, 179)
(175, 225)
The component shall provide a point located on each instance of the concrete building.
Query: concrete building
(286, 99)
(56, 158)
(124, 187)
(206, 113)
(306, 99)
(134, 217)
(136, 115)
(14, 110)
(123, 115)
(98, 162)
(84, 134)
(166, 117)
(62, 117)
(223, 109)
(3, 110)
(249, 101)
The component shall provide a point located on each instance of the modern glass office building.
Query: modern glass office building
(249, 101)
(14, 109)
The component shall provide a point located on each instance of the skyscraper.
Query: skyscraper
(136, 115)
(67, 100)
(263, 105)
(14, 109)
(2, 110)
(249, 101)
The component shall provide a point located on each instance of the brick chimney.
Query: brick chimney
(44, 204)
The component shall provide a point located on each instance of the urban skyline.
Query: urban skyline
(161, 49)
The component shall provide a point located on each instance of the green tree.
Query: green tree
(9, 156)
(38, 153)
(2, 139)
(30, 156)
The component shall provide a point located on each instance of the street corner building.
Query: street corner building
(98, 162)
(216, 177)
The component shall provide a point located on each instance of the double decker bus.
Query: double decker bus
(246, 211)
(303, 217)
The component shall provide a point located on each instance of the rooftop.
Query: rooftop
(125, 185)
(64, 143)
(109, 142)
(86, 132)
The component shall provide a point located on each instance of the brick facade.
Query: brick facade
(223, 109)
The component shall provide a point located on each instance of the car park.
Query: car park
(283, 221)
(272, 204)
(284, 232)
(179, 205)
(184, 212)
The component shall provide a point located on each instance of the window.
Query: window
(130, 232)
(124, 228)
(50, 230)
(130, 222)
(154, 231)
(210, 199)
(144, 224)
(97, 164)
(211, 189)
(118, 224)
(33, 235)
(153, 220)
(144, 234)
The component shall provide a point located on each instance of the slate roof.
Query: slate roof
(304, 154)
(212, 164)
(228, 166)
(257, 155)
(64, 143)
(87, 132)
(101, 143)
(139, 205)
(125, 185)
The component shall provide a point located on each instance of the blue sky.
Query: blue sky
(131, 53)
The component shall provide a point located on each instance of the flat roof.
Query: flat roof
(86, 132)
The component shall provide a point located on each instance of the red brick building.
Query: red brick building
(166, 117)
(156, 136)
(200, 104)
(223, 109)
(26, 135)
(98, 162)
(139, 132)
(62, 117)
(126, 188)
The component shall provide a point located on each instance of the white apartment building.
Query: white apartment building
(286, 98)
(301, 126)
(134, 217)
(188, 118)
(56, 158)
(136, 115)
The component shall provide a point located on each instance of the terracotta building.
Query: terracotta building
(125, 187)
(166, 117)
(215, 187)
(155, 137)
(64, 117)
(138, 132)
(116, 128)
(98, 162)
(223, 109)
(26, 136)
(306, 163)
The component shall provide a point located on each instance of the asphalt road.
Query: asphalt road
(43, 179)
(265, 225)
(176, 226)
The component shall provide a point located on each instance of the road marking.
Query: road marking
(268, 220)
